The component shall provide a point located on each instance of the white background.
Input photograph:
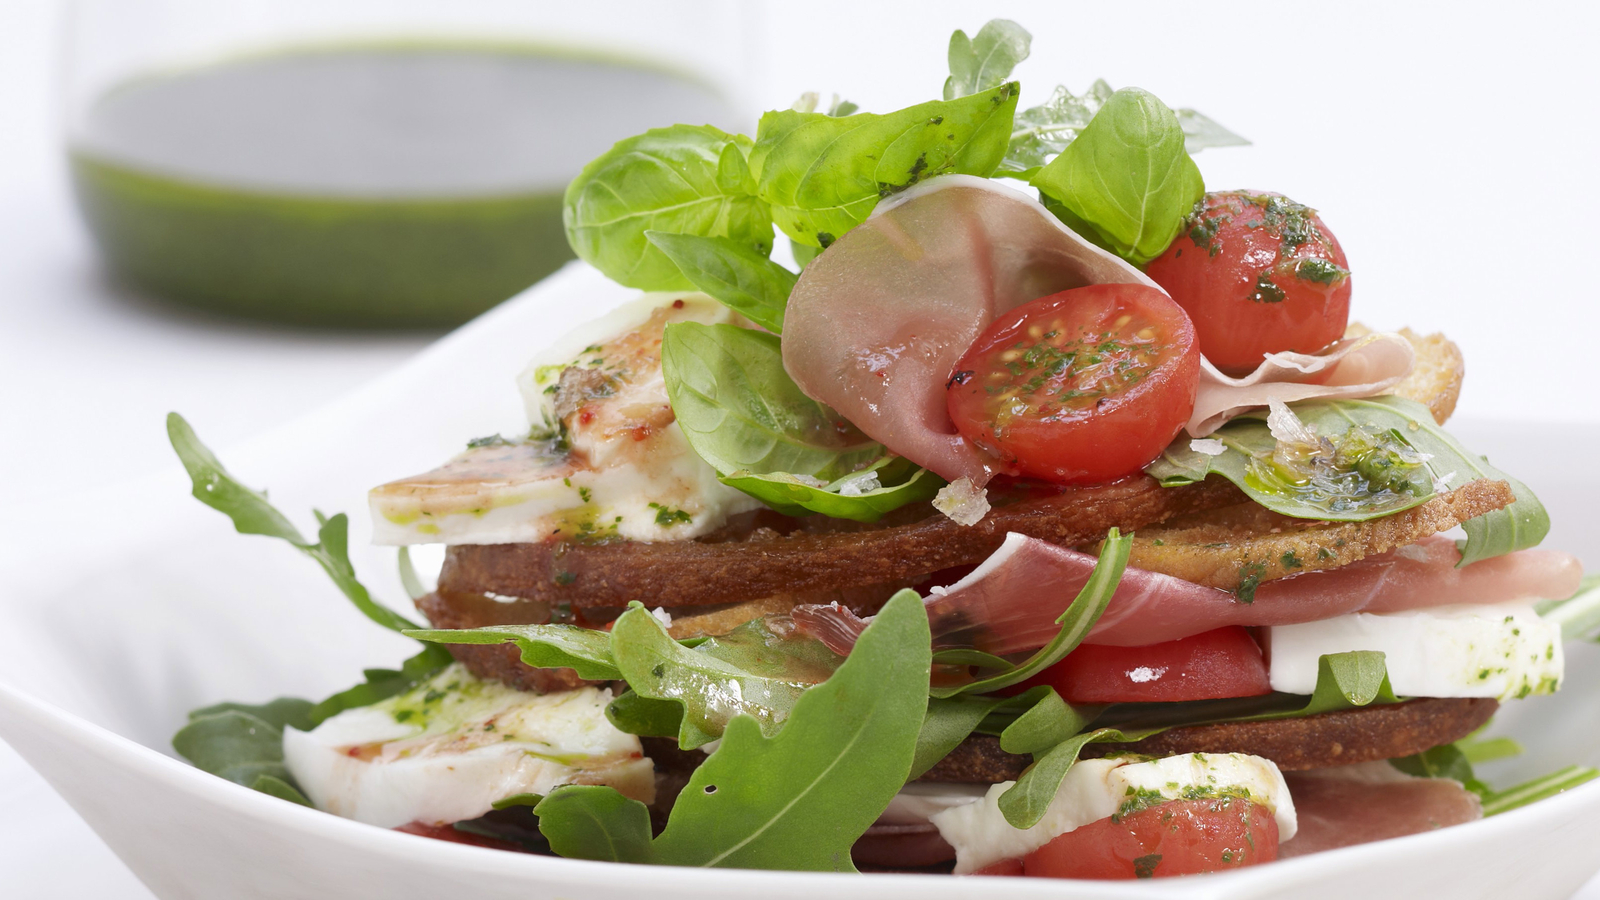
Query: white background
(1452, 148)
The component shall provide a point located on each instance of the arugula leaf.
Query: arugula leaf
(1032, 721)
(586, 651)
(686, 179)
(1249, 446)
(244, 744)
(741, 279)
(252, 514)
(1075, 622)
(1045, 723)
(1024, 803)
(644, 716)
(1497, 802)
(749, 671)
(822, 175)
(381, 684)
(1126, 181)
(947, 722)
(409, 580)
(744, 415)
(985, 61)
(794, 801)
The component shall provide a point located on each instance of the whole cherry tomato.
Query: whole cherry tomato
(1257, 273)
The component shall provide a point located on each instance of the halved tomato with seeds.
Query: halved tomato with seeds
(1080, 387)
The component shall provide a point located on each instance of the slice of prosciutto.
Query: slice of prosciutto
(1363, 366)
(1371, 801)
(1010, 603)
(876, 324)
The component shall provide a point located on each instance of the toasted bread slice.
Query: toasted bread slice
(1435, 381)
(1249, 544)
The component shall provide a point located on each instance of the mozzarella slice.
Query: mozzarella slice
(1097, 788)
(446, 750)
(1502, 651)
(610, 461)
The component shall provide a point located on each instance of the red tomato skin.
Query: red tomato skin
(1003, 867)
(1180, 837)
(1212, 666)
(1122, 432)
(1244, 285)
(451, 835)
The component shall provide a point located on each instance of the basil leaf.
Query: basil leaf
(823, 175)
(244, 744)
(686, 179)
(252, 514)
(381, 684)
(749, 671)
(1126, 182)
(1075, 622)
(985, 61)
(741, 279)
(897, 481)
(794, 801)
(586, 651)
(1042, 132)
(803, 253)
(1249, 446)
(744, 415)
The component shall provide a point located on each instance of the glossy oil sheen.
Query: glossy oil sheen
(404, 185)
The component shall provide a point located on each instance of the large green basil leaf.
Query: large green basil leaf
(797, 800)
(744, 415)
(749, 671)
(741, 279)
(1248, 443)
(822, 175)
(985, 61)
(1126, 182)
(252, 514)
(686, 179)
(1075, 622)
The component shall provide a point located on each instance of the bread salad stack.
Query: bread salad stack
(1053, 520)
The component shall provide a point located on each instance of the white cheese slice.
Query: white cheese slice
(446, 750)
(1501, 650)
(625, 469)
(1097, 788)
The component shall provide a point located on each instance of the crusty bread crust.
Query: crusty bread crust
(1247, 543)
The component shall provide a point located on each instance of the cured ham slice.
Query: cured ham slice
(1371, 802)
(875, 325)
(1010, 603)
(1354, 367)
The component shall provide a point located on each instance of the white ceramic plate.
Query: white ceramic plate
(125, 611)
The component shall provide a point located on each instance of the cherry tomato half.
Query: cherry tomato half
(1180, 837)
(1079, 387)
(1210, 666)
(1258, 273)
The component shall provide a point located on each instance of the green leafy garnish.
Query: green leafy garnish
(744, 415)
(795, 801)
(252, 514)
(747, 672)
(1578, 615)
(1455, 761)
(1075, 622)
(1126, 182)
(985, 61)
(686, 179)
(1248, 461)
(586, 651)
(741, 279)
(244, 744)
(822, 175)
(381, 684)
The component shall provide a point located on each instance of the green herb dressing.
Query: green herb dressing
(401, 184)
